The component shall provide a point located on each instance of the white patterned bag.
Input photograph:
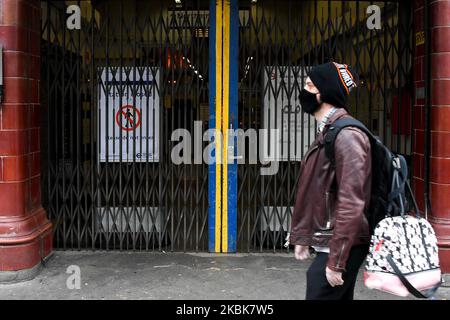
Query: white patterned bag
(403, 257)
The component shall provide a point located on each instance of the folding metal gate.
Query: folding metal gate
(112, 94)
(114, 91)
(279, 41)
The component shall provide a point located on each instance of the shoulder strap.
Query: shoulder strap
(335, 128)
(399, 179)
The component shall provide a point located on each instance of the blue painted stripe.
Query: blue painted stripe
(212, 124)
(233, 120)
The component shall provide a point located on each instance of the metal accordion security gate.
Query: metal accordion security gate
(113, 92)
(120, 91)
(279, 41)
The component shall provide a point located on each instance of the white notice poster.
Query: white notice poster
(129, 114)
(282, 110)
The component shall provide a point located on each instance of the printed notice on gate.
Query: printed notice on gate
(129, 114)
(282, 111)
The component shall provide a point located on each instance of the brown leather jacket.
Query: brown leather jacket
(330, 203)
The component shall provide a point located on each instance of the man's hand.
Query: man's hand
(334, 278)
(301, 252)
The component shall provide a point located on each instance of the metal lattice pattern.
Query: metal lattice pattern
(129, 203)
(279, 41)
(155, 55)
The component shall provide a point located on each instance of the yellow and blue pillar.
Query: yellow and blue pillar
(223, 106)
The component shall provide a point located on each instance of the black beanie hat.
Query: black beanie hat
(335, 81)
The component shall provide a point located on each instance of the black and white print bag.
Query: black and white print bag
(403, 255)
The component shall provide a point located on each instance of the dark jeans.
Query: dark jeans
(317, 286)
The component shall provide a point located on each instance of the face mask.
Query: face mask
(308, 101)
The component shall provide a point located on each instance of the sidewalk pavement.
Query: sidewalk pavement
(134, 275)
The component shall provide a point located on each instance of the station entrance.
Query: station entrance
(114, 91)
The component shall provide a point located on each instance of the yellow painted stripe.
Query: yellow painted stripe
(219, 24)
(226, 96)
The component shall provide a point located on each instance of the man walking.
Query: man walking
(331, 200)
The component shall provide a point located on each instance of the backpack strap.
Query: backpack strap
(398, 184)
(333, 131)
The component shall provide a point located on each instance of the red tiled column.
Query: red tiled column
(440, 123)
(25, 231)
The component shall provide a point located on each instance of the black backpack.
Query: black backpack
(389, 174)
